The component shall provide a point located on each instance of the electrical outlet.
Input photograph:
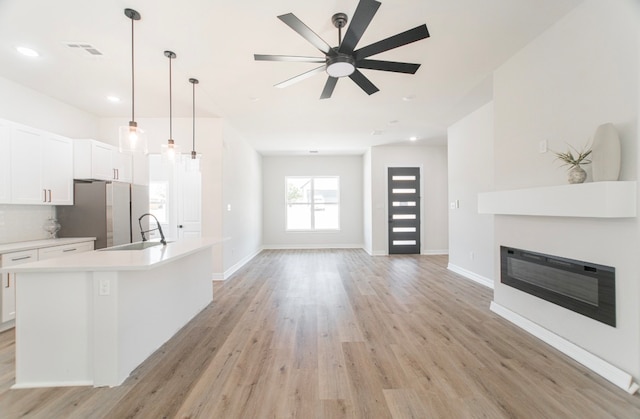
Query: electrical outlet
(104, 287)
(542, 146)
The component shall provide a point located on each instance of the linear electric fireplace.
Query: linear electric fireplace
(583, 287)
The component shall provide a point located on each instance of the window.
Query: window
(312, 203)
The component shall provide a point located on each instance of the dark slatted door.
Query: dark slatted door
(404, 210)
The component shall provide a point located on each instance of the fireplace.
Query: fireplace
(583, 287)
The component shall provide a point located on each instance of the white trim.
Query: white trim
(379, 253)
(487, 282)
(435, 252)
(589, 360)
(53, 384)
(312, 246)
(227, 274)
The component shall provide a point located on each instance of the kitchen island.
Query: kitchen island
(91, 319)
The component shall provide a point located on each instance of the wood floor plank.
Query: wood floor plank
(339, 334)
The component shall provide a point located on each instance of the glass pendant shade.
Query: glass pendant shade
(133, 139)
(192, 164)
(170, 152)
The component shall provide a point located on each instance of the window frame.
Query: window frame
(312, 204)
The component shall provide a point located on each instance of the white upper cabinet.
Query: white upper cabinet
(26, 168)
(5, 163)
(41, 169)
(57, 169)
(100, 161)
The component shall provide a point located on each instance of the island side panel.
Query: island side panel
(154, 304)
(53, 328)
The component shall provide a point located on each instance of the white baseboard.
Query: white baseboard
(227, 274)
(435, 252)
(312, 246)
(45, 384)
(471, 275)
(589, 360)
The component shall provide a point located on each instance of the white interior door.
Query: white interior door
(175, 199)
(189, 203)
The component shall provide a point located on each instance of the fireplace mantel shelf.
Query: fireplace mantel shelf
(594, 199)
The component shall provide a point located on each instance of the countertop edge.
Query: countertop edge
(41, 244)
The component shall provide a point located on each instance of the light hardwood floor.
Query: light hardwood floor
(339, 334)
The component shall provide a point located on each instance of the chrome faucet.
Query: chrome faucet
(144, 238)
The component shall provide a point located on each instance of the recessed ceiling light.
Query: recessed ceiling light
(414, 138)
(27, 52)
(113, 99)
(409, 98)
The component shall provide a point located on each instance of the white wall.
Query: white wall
(28, 107)
(350, 171)
(470, 151)
(580, 73)
(433, 163)
(242, 201)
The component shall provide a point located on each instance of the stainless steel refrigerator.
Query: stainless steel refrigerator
(108, 211)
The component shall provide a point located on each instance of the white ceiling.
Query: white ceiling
(215, 41)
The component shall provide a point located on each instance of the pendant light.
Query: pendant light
(193, 164)
(132, 138)
(170, 151)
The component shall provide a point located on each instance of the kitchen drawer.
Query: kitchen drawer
(64, 250)
(17, 258)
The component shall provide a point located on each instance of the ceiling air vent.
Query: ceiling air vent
(83, 48)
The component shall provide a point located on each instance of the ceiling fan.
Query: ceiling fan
(344, 60)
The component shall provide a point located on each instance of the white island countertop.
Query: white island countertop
(119, 260)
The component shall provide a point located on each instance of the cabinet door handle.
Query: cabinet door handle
(8, 280)
(20, 258)
(69, 250)
(118, 174)
(49, 194)
(45, 195)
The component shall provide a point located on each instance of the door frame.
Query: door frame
(386, 202)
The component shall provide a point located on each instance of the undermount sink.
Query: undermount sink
(135, 246)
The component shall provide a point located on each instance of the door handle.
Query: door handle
(8, 280)
(180, 226)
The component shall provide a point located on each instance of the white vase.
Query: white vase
(605, 157)
(577, 175)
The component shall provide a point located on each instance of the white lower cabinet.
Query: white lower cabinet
(8, 290)
(59, 251)
(9, 282)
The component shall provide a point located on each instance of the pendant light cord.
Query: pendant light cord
(133, 90)
(170, 102)
(194, 118)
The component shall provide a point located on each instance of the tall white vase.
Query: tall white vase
(605, 157)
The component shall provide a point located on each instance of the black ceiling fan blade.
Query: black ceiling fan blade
(303, 30)
(404, 38)
(363, 15)
(396, 67)
(364, 83)
(301, 77)
(328, 87)
(289, 58)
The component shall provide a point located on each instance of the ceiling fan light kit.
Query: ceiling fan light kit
(344, 60)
